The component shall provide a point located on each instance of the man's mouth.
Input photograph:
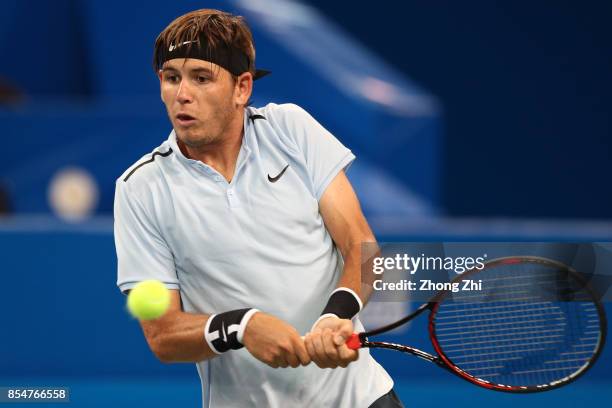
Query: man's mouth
(184, 119)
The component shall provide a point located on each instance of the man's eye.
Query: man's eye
(202, 79)
(172, 78)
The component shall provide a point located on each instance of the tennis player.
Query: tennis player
(247, 216)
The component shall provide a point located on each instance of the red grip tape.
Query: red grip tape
(353, 342)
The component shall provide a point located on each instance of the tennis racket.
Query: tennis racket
(535, 325)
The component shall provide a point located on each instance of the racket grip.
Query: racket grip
(353, 342)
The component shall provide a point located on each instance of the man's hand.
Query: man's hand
(326, 343)
(274, 342)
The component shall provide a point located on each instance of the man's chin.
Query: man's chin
(191, 140)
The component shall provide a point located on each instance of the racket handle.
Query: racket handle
(353, 342)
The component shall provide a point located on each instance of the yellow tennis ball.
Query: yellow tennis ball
(148, 300)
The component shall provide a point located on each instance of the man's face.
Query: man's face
(201, 99)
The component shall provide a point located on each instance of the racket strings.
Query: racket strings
(528, 326)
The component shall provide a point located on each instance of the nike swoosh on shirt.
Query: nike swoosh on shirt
(275, 179)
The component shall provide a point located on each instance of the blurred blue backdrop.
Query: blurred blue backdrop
(525, 88)
(453, 110)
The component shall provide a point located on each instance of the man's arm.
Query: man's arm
(178, 336)
(348, 227)
(345, 222)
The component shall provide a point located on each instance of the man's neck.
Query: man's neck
(223, 155)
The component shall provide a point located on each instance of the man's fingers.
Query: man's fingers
(292, 359)
(319, 345)
(280, 362)
(309, 346)
(301, 352)
(330, 348)
(343, 332)
(319, 350)
(347, 355)
(287, 350)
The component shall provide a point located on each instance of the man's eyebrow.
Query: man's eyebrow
(194, 70)
(201, 69)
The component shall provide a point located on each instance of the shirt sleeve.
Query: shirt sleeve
(325, 156)
(142, 253)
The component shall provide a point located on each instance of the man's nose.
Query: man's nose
(183, 93)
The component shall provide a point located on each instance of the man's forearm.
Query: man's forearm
(178, 337)
(352, 272)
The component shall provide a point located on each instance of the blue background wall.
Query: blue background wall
(525, 87)
(111, 114)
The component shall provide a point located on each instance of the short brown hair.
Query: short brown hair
(218, 27)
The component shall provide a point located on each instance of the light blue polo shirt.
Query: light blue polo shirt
(258, 241)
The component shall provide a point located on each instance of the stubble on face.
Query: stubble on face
(211, 105)
(210, 129)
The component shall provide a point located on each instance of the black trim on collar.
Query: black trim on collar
(257, 116)
(147, 162)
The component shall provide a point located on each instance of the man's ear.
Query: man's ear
(243, 88)
(159, 76)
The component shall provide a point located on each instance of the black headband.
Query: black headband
(228, 57)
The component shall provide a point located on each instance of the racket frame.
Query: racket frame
(442, 360)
